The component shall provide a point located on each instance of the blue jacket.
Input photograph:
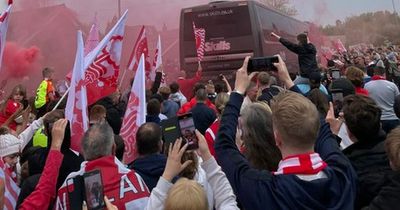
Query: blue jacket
(260, 189)
(150, 168)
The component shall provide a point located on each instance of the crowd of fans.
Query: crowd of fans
(327, 138)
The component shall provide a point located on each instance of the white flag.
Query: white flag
(135, 114)
(4, 18)
(76, 109)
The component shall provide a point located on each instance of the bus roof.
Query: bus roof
(223, 4)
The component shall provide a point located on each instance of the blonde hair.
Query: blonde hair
(220, 101)
(297, 120)
(186, 194)
(392, 146)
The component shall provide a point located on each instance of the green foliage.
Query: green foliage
(376, 28)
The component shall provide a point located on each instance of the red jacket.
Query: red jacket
(186, 85)
(210, 135)
(45, 191)
(124, 187)
(189, 105)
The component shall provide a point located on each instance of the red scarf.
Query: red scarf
(377, 77)
(301, 164)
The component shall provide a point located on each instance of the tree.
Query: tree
(283, 6)
(370, 28)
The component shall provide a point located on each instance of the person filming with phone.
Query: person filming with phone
(306, 52)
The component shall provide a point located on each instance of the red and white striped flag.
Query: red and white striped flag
(11, 191)
(140, 48)
(91, 41)
(135, 114)
(103, 63)
(200, 37)
(76, 109)
(4, 18)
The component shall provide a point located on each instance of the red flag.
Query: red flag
(76, 109)
(135, 114)
(140, 48)
(103, 64)
(200, 37)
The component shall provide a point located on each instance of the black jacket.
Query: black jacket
(306, 54)
(371, 163)
(203, 117)
(268, 94)
(260, 189)
(389, 196)
(150, 168)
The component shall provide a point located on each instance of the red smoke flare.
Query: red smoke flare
(19, 62)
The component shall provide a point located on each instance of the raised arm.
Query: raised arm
(222, 190)
(45, 191)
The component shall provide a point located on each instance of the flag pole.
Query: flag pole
(61, 99)
(122, 80)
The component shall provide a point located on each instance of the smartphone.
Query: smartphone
(335, 73)
(94, 190)
(262, 64)
(170, 131)
(187, 129)
(337, 99)
(75, 192)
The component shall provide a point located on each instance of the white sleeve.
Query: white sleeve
(158, 195)
(27, 134)
(223, 192)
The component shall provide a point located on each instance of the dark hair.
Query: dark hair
(362, 116)
(174, 87)
(191, 170)
(48, 122)
(320, 100)
(379, 70)
(201, 95)
(119, 147)
(153, 107)
(97, 112)
(258, 137)
(302, 38)
(197, 87)
(148, 139)
(47, 71)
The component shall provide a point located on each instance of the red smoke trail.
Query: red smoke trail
(19, 62)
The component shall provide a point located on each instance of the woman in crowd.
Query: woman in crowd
(188, 194)
(14, 103)
(220, 102)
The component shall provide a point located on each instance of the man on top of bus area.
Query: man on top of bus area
(306, 53)
(187, 84)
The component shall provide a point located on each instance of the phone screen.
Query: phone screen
(337, 98)
(186, 125)
(94, 190)
(262, 64)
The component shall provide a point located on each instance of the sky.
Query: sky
(333, 10)
(167, 12)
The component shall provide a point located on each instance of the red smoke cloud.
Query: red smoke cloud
(19, 62)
